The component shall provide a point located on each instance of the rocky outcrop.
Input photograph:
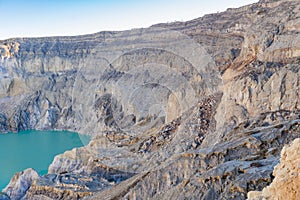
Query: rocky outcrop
(286, 183)
(4, 196)
(20, 183)
(227, 170)
(197, 109)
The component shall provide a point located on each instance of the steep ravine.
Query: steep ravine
(186, 110)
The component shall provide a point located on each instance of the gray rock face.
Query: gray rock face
(4, 196)
(112, 84)
(186, 110)
(20, 183)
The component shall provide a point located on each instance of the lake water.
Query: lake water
(34, 149)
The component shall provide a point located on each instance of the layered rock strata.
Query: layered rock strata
(198, 109)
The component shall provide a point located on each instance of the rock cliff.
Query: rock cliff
(185, 110)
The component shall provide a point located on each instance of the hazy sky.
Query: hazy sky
(31, 18)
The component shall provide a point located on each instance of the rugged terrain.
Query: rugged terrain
(287, 182)
(185, 110)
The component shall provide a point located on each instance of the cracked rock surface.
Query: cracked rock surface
(186, 110)
(286, 183)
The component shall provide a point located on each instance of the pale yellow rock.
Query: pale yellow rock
(254, 195)
(286, 184)
(173, 108)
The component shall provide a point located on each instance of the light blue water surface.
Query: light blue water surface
(34, 149)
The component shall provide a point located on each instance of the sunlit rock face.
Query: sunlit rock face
(20, 183)
(196, 110)
(286, 183)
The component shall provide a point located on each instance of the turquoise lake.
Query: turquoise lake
(34, 149)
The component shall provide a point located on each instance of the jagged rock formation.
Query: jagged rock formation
(286, 183)
(197, 109)
(4, 196)
(20, 183)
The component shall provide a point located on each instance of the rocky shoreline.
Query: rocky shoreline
(186, 110)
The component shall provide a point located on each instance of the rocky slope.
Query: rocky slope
(197, 109)
(286, 183)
